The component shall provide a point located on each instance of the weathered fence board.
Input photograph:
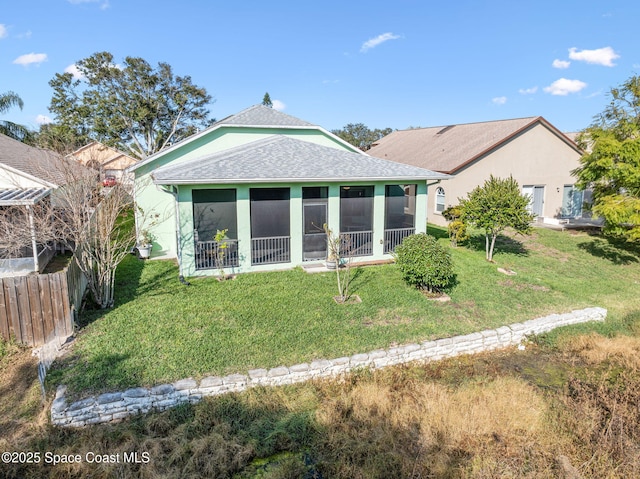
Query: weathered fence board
(36, 308)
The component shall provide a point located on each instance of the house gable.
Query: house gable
(254, 123)
(103, 156)
(450, 148)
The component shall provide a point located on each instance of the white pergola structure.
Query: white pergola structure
(27, 197)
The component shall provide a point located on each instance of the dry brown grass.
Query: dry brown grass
(595, 349)
(425, 429)
(469, 417)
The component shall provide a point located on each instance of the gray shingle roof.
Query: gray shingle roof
(35, 162)
(282, 159)
(260, 115)
(448, 148)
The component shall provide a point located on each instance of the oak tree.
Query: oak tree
(131, 106)
(360, 135)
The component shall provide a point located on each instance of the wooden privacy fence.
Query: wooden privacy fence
(39, 307)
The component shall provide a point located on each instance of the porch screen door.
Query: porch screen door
(314, 217)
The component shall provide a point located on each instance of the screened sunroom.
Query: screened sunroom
(273, 198)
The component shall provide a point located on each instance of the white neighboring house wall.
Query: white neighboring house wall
(10, 178)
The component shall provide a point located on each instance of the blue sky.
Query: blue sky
(386, 64)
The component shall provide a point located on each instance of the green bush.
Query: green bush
(457, 229)
(424, 263)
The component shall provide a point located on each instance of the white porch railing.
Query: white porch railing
(270, 250)
(394, 237)
(207, 254)
(356, 243)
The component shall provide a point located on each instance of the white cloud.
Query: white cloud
(3, 31)
(564, 86)
(499, 100)
(104, 4)
(73, 69)
(30, 58)
(601, 56)
(374, 42)
(528, 91)
(278, 105)
(43, 120)
(561, 64)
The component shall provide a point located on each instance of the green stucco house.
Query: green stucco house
(272, 181)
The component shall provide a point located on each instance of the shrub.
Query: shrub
(457, 229)
(424, 263)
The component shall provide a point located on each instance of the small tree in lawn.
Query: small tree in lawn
(424, 262)
(221, 251)
(495, 206)
(339, 249)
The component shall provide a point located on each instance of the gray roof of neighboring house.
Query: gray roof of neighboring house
(282, 159)
(449, 148)
(35, 162)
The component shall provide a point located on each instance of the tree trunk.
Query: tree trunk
(486, 247)
(493, 243)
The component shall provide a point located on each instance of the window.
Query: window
(399, 215)
(270, 225)
(214, 210)
(439, 199)
(269, 212)
(572, 200)
(356, 220)
(356, 208)
(400, 202)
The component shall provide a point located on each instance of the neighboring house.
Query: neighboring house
(27, 177)
(538, 156)
(107, 160)
(272, 181)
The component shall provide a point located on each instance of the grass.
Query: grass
(161, 330)
(481, 416)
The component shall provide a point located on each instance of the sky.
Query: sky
(399, 64)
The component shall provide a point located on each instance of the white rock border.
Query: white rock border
(115, 406)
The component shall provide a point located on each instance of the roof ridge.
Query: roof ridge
(451, 125)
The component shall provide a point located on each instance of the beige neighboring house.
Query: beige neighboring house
(538, 156)
(108, 160)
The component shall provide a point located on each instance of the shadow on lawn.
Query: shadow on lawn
(504, 244)
(614, 250)
(126, 289)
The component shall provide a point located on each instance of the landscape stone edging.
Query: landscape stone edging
(115, 406)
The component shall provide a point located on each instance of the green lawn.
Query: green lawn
(161, 330)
